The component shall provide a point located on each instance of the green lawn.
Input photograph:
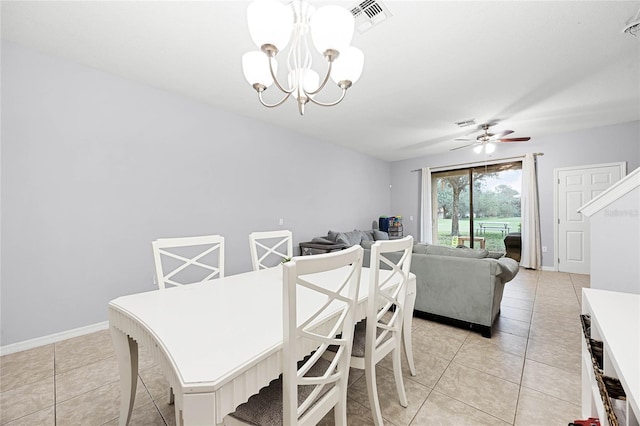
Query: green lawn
(494, 238)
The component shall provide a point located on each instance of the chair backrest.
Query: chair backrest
(309, 297)
(387, 290)
(270, 248)
(188, 260)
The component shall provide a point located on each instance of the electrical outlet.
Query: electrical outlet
(544, 249)
(281, 221)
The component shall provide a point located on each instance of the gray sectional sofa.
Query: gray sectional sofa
(458, 285)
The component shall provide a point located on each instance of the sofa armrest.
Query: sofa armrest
(508, 269)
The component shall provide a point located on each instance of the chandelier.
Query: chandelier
(274, 25)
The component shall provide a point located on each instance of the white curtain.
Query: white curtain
(531, 256)
(426, 221)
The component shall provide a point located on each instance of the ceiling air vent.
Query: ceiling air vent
(466, 123)
(369, 13)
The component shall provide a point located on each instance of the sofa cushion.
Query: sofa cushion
(380, 235)
(420, 248)
(434, 249)
(367, 235)
(351, 238)
(366, 244)
(495, 255)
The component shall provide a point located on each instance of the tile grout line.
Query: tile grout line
(526, 349)
(454, 398)
(540, 362)
(153, 401)
(55, 393)
(519, 386)
(362, 405)
(428, 394)
(420, 408)
(530, 338)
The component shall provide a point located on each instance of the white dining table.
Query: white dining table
(217, 343)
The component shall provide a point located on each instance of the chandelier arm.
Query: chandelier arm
(299, 61)
(324, 82)
(280, 102)
(275, 79)
(344, 91)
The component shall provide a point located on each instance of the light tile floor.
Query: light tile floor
(528, 373)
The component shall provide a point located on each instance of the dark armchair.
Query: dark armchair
(513, 245)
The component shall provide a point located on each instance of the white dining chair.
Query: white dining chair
(270, 248)
(188, 260)
(310, 386)
(381, 332)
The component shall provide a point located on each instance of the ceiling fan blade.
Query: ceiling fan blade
(514, 139)
(462, 139)
(463, 146)
(502, 133)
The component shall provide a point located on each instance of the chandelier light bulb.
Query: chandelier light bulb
(348, 66)
(255, 66)
(478, 149)
(310, 80)
(270, 22)
(332, 28)
(490, 148)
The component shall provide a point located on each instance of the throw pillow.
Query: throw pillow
(349, 238)
(322, 240)
(332, 235)
(380, 235)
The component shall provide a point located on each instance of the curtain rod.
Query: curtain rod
(536, 154)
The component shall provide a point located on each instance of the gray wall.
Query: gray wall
(595, 146)
(95, 167)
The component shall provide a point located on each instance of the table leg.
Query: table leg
(127, 353)
(199, 409)
(406, 327)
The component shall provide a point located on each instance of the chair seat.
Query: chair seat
(360, 339)
(265, 408)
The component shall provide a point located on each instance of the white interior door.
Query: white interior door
(575, 187)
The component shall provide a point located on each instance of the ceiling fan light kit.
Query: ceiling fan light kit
(487, 147)
(274, 25)
(487, 141)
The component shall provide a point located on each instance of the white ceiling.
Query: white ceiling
(540, 67)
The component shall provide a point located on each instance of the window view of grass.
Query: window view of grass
(494, 205)
(494, 238)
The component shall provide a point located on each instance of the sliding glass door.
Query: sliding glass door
(478, 206)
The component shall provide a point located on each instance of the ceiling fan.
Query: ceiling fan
(486, 140)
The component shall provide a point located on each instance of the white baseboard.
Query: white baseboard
(52, 338)
(549, 268)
